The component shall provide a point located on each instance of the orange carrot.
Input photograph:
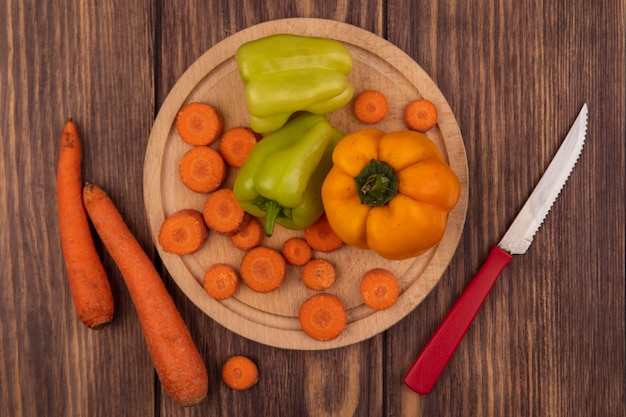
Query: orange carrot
(370, 106)
(297, 251)
(248, 237)
(379, 289)
(323, 316)
(88, 281)
(240, 372)
(199, 124)
(183, 232)
(202, 169)
(262, 269)
(223, 214)
(321, 237)
(420, 115)
(235, 145)
(175, 357)
(318, 274)
(220, 281)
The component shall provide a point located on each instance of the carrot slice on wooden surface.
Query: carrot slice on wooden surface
(318, 274)
(236, 144)
(379, 289)
(88, 281)
(176, 359)
(220, 281)
(223, 214)
(199, 124)
(183, 232)
(249, 237)
(297, 251)
(370, 106)
(262, 269)
(420, 115)
(323, 316)
(240, 372)
(202, 169)
(321, 237)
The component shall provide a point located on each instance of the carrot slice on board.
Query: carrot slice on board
(262, 269)
(199, 124)
(323, 316)
(379, 289)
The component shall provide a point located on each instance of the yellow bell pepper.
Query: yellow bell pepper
(389, 192)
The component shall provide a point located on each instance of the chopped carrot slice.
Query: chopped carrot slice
(184, 232)
(220, 281)
(297, 251)
(236, 144)
(318, 274)
(323, 316)
(223, 214)
(420, 115)
(199, 124)
(321, 237)
(262, 269)
(202, 169)
(249, 237)
(379, 289)
(240, 372)
(370, 106)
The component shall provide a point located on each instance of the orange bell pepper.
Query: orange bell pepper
(389, 192)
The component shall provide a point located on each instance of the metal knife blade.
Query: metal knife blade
(520, 234)
(432, 360)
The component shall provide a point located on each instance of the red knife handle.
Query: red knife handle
(432, 360)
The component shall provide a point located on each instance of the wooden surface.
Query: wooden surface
(272, 318)
(549, 340)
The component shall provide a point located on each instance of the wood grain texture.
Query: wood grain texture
(77, 62)
(550, 337)
(519, 75)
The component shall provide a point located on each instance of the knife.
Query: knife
(432, 360)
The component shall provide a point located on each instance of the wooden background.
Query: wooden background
(549, 340)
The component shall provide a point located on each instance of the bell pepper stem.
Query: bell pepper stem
(377, 183)
(272, 212)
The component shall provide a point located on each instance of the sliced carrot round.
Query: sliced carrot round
(249, 237)
(236, 144)
(323, 317)
(223, 214)
(420, 115)
(220, 281)
(199, 124)
(202, 169)
(262, 269)
(297, 251)
(184, 232)
(370, 106)
(321, 237)
(318, 274)
(379, 289)
(240, 372)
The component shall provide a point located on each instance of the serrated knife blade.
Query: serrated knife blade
(432, 360)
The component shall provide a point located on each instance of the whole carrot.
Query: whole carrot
(89, 284)
(175, 356)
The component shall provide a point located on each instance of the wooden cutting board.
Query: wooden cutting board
(271, 318)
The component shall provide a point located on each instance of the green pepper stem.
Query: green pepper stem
(377, 183)
(272, 211)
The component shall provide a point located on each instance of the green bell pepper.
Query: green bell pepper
(286, 73)
(282, 177)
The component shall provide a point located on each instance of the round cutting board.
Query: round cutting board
(272, 318)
